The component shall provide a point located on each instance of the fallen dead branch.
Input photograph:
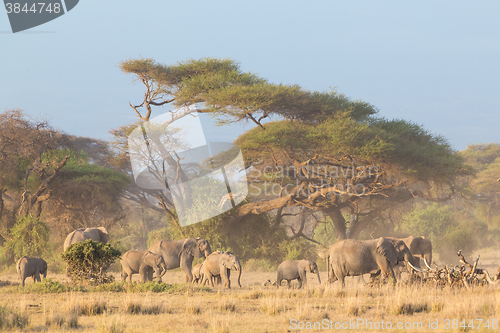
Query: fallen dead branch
(466, 275)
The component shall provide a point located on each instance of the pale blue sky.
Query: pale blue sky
(433, 63)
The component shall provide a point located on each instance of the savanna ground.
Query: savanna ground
(253, 308)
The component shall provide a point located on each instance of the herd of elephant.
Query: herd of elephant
(384, 255)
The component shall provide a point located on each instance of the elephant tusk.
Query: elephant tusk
(415, 268)
(426, 264)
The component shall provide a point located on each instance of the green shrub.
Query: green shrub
(163, 287)
(28, 237)
(154, 287)
(115, 287)
(45, 287)
(88, 261)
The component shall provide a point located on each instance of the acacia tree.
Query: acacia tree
(319, 150)
(40, 172)
(23, 143)
(485, 159)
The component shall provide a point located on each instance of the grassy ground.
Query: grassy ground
(253, 308)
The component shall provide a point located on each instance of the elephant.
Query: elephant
(353, 257)
(99, 234)
(296, 269)
(180, 253)
(31, 266)
(269, 283)
(420, 247)
(221, 264)
(198, 274)
(144, 263)
(197, 277)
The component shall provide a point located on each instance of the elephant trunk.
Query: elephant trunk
(409, 258)
(164, 268)
(238, 268)
(157, 271)
(317, 273)
(208, 250)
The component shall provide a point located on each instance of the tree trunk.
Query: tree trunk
(338, 222)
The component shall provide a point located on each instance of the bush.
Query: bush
(45, 287)
(88, 261)
(448, 229)
(28, 237)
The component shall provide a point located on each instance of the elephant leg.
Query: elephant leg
(288, 284)
(185, 264)
(204, 281)
(300, 282)
(341, 279)
(36, 276)
(279, 278)
(331, 276)
(143, 275)
(209, 277)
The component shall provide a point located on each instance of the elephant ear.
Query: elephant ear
(104, 235)
(190, 246)
(148, 258)
(224, 262)
(386, 248)
(414, 245)
(312, 266)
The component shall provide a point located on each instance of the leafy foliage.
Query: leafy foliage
(88, 261)
(485, 187)
(29, 237)
(448, 229)
(46, 286)
(252, 237)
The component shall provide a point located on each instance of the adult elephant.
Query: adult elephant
(31, 266)
(99, 234)
(420, 248)
(180, 253)
(296, 269)
(353, 257)
(144, 263)
(221, 264)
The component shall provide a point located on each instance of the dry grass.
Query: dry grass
(253, 308)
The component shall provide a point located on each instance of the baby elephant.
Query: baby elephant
(31, 266)
(296, 269)
(144, 263)
(197, 275)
